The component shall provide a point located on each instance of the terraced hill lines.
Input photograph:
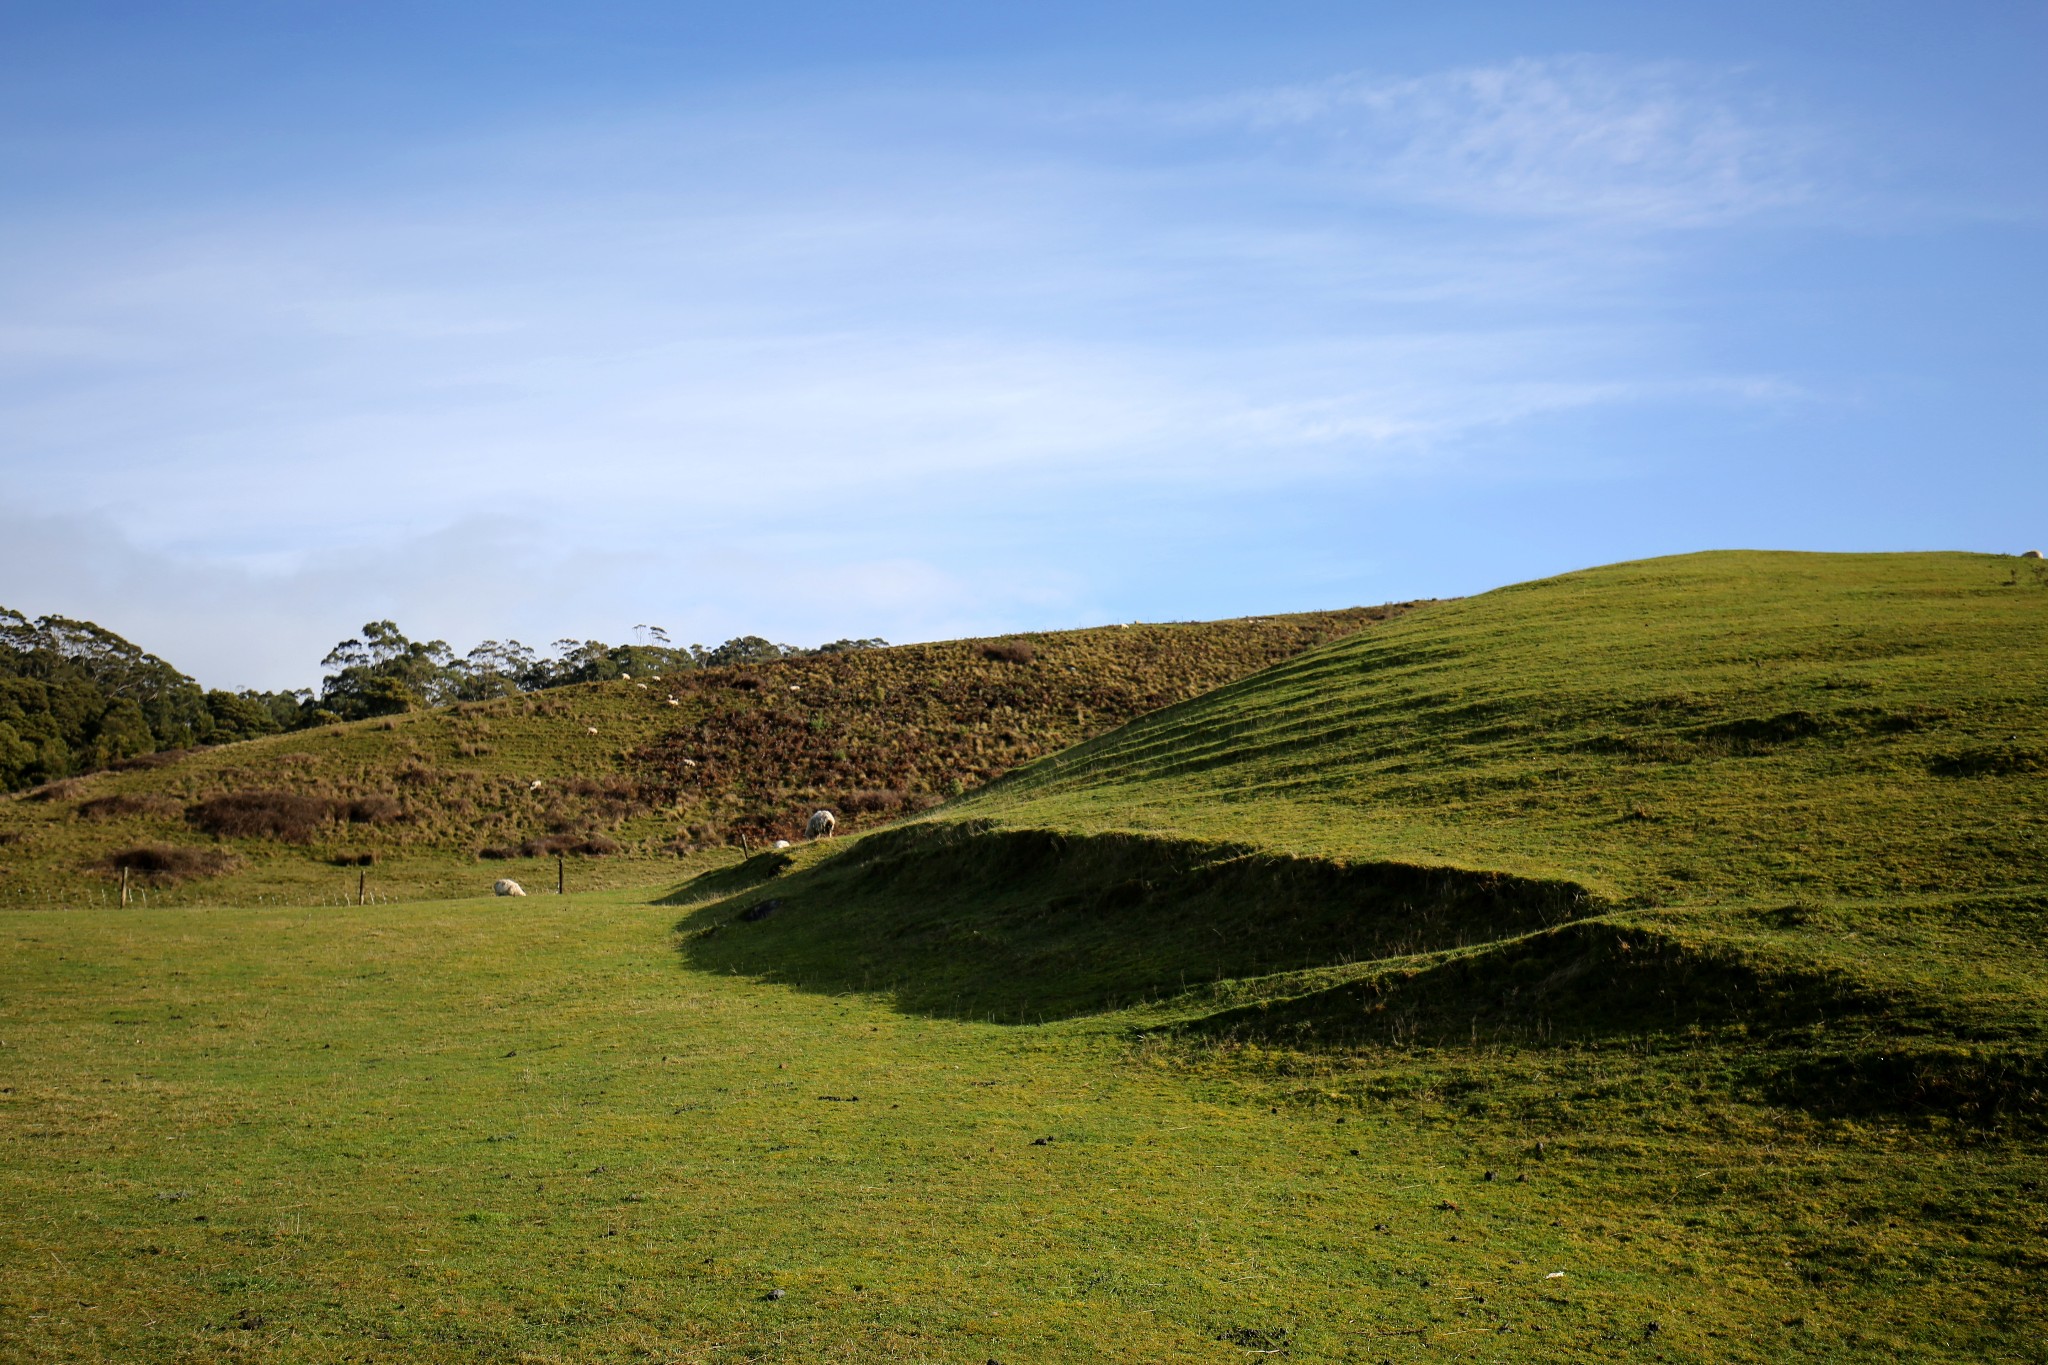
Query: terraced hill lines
(1716, 725)
(620, 775)
(1792, 800)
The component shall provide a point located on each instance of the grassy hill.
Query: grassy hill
(1645, 964)
(620, 776)
(1798, 798)
(1712, 727)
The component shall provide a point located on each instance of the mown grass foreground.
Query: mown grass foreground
(528, 1131)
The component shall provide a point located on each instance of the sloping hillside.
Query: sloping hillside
(1759, 795)
(618, 775)
(1707, 727)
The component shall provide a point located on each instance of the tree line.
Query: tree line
(75, 697)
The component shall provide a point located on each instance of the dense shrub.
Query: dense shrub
(1010, 652)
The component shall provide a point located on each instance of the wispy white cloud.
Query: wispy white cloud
(1658, 144)
(664, 344)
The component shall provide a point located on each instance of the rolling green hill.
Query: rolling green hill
(1645, 964)
(619, 775)
(1798, 798)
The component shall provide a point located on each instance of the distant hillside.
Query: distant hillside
(75, 697)
(1802, 798)
(615, 773)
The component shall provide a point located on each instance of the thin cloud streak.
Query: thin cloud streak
(833, 322)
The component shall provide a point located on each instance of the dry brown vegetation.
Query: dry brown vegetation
(876, 734)
(169, 864)
(119, 805)
(646, 768)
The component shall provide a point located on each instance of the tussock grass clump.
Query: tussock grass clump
(1991, 760)
(370, 810)
(291, 817)
(63, 789)
(162, 758)
(170, 864)
(288, 816)
(581, 845)
(120, 805)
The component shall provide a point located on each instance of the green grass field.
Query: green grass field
(479, 1131)
(1645, 964)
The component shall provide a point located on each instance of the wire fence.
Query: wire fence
(147, 898)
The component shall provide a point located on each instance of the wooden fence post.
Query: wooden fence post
(558, 874)
(124, 886)
(361, 878)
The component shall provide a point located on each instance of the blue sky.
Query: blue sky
(923, 320)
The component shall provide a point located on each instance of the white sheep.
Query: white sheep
(2030, 554)
(820, 824)
(505, 886)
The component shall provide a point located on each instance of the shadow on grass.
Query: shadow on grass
(966, 921)
(1588, 981)
(1796, 1035)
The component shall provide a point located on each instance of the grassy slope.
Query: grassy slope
(487, 1131)
(1797, 802)
(1715, 727)
(884, 730)
(1787, 1110)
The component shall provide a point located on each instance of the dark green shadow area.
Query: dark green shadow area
(967, 921)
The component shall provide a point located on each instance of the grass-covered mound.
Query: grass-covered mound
(1727, 800)
(622, 775)
(1029, 924)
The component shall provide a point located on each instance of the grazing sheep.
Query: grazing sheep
(2031, 554)
(505, 886)
(782, 843)
(820, 825)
